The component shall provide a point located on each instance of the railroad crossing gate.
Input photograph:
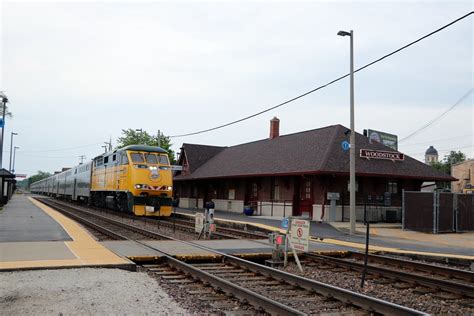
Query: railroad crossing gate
(299, 234)
(199, 222)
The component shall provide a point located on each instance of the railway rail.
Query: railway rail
(221, 231)
(429, 276)
(105, 225)
(182, 225)
(265, 288)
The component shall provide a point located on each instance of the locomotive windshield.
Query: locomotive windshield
(149, 158)
(137, 157)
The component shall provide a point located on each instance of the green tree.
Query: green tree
(28, 181)
(445, 165)
(134, 137)
(453, 158)
(450, 159)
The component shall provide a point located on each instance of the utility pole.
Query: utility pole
(14, 154)
(11, 150)
(108, 146)
(4, 102)
(82, 158)
(159, 138)
(352, 180)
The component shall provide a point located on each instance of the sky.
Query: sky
(77, 73)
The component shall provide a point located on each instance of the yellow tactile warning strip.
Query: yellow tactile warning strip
(388, 249)
(347, 243)
(88, 251)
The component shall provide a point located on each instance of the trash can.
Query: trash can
(248, 210)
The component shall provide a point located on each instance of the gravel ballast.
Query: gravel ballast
(83, 291)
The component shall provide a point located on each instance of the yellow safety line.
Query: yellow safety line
(388, 249)
(87, 250)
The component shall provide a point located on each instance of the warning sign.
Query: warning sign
(199, 222)
(299, 234)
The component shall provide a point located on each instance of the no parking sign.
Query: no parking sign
(300, 234)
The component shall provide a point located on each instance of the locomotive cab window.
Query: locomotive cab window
(137, 157)
(124, 158)
(163, 160)
(151, 158)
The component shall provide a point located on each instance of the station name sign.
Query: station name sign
(379, 154)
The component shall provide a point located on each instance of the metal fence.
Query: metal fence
(437, 212)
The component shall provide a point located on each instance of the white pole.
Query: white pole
(353, 148)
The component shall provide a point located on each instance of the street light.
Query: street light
(14, 154)
(11, 147)
(4, 102)
(352, 138)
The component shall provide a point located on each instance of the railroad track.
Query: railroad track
(182, 225)
(415, 274)
(266, 289)
(230, 233)
(106, 226)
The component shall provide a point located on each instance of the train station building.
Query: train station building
(299, 174)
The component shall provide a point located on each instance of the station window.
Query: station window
(106, 159)
(307, 189)
(392, 187)
(254, 189)
(275, 194)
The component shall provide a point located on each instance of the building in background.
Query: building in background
(464, 173)
(431, 155)
(295, 174)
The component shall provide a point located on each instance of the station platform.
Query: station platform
(383, 237)
(180, 250)
(34, 236)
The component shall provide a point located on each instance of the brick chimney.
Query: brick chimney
(274, 127)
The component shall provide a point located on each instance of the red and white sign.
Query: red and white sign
(20, 175)
(379, 154)
(299, 234)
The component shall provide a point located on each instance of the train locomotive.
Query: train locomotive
(135, 179)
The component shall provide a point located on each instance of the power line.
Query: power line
(60, 149)
(438, 140)
(439, 116)
(442, 149)
(325, 85)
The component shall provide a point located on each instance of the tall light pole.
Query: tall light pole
(4, 102)
(11, 149)
(14, 154)
(352, 186)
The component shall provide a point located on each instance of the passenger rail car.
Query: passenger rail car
(134, 179)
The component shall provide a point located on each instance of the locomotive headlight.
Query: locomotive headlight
(169, 188)
(139, 186)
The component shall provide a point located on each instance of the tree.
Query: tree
(454, 157)
(450, 159)
(445, 165)
(133, 137)
(37, 177)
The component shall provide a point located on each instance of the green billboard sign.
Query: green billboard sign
(388, 140)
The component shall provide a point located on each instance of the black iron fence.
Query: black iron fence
(437, 212)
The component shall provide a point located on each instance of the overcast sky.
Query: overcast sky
(77, 73)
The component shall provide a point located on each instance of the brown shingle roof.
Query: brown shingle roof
(314, 151)
(197, 155)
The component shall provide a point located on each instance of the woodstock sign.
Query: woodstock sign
(378, 154)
